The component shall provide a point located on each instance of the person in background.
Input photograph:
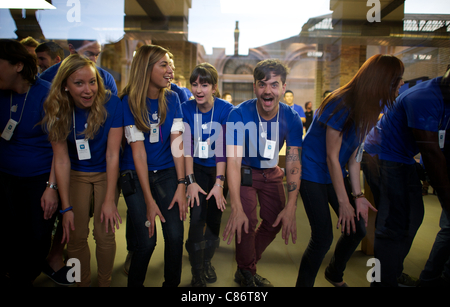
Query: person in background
(90, 49)
(49, 54)
(289, 100)
(308, 115)
(152, 170)
(27, 179)
(227, 96)
(85, 126)
(335, 142)
(205, 165)
(30, 44)
(417, 122)
(255, 154)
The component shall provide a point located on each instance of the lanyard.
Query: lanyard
(200, 136)
(264, 134)
(23, 108)
(74, 130)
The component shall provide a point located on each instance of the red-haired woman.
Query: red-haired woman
(334, 140)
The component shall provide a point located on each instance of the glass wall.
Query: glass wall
(323, 43)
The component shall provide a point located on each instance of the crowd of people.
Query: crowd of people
(71, 143)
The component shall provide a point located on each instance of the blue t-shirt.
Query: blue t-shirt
(159, 155)
(299, 110)
(28, 153)
(108, 80)
(97, 162)
(244, 129)
(203, 127)
(182, 95)
(420, 107)
(314, 152)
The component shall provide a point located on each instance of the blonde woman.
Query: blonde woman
(84, 123)
(152, 178)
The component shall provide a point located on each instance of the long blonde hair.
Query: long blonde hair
(136, 89)
(59, 105)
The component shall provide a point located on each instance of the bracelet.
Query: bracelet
(52, 185)
(360, 195)
(218, 185)
(190, 179)
(182, 181)
(65, 210)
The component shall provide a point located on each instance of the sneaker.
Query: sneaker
(59, 277)
(407, 281)
(261, 281)
(244, 278)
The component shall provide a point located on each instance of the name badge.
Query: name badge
(359, 154)
(203, 150)
(154, 133)
(9, 129)
(269, 149)
(84, 153)
(441, 138)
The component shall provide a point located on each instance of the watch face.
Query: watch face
(221, 177)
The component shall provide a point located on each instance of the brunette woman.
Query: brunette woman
(206, 117)
(27, 181)
(334, 140)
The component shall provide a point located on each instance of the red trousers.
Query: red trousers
(268, 189)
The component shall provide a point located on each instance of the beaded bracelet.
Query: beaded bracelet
(360, 195)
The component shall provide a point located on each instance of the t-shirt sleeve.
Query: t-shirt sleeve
(235, 129)
(118, 115)
(423, 111)
(295, 132)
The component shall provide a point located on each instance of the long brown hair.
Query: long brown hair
(371, 89)
(136, 89)
(59, 104)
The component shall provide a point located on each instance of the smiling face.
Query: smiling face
(82, 86)
(160, 77)
(268, 93)
(203, 92)
(45, 61)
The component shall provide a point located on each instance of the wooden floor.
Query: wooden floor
(280, 262)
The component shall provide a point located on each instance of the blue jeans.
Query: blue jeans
(438, 264)
(163, 185)
(397, 192)
(316, 198)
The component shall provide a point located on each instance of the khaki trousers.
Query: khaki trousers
(83, 187)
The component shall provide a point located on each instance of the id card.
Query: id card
(84, 153)
(154, 133)
(441, 138)
(269, 149)
(9, 129)
(359, 153)
(203, 150)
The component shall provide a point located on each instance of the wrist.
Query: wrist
(359, 195)
(52, 185)
(190, 179)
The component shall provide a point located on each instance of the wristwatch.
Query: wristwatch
(52, 185)
(221, 177)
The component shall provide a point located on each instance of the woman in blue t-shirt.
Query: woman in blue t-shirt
(335, 140)
(205, 119)
(85, 125)
(27, 180)
(152, 169)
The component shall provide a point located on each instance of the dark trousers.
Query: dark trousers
(317, 199)
(27, 235)
(397, 192)
(163, 185)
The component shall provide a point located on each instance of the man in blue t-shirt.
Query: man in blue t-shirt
(415, 123)
(256, 131)
(91, 49)
(289, 100)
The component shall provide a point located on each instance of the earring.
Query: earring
(66, 89)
